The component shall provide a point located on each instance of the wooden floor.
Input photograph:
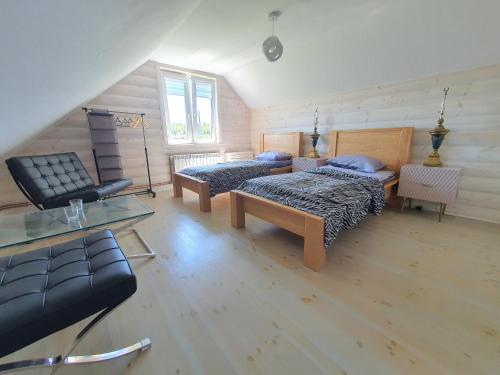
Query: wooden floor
(401, 294)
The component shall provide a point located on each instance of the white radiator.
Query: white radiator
(178, 162)
(240, 155)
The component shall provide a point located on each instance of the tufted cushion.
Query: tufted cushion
(47, 176)
(53, 180)
(44, 291)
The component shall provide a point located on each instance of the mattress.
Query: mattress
(382, 175)
(342, 198)
(276, 163)
(224, 177)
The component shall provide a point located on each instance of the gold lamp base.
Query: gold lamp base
(313, 154)
(433, 160)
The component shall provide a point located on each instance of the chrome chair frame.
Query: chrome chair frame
(65, 359)
(124, 229)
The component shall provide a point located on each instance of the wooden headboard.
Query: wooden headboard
(392, 146)
(292, 142)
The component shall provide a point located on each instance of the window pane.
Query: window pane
(176, 102)
(204, 108)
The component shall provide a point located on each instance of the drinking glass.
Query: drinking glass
(71, 214)
(76, 204)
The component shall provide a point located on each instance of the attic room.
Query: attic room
(250, 187)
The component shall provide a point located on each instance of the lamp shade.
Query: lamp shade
(272, 48)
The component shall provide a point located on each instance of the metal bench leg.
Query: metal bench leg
(150, 253)
(127, 228)
(57, 362)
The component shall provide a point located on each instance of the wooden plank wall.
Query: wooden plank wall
(473, 117)
(138, 92)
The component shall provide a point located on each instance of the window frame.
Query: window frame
(190, 80)
(194, 109)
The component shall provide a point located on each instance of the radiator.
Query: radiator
(240, 155)
(178, 162)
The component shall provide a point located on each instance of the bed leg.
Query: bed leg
(204, 197)
(177, 186)
(237, 210)
(314, 248)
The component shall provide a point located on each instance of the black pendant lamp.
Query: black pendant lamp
(272, 47)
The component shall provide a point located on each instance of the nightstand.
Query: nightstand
(302, 164)
(433, 184)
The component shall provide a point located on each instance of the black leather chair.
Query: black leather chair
(50, 181)
(44, 291)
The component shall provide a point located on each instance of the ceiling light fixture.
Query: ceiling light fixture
(272, 47)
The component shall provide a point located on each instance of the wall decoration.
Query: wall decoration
(437, 137)
(315, 136)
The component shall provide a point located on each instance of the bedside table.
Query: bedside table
(302, 164)
(433, 184)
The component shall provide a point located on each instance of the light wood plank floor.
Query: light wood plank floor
(401, 294)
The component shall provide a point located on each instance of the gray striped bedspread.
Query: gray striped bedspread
(342, 199)
(224, 177)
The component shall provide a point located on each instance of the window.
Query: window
(190, 108)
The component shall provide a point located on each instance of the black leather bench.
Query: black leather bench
(50, 181)
(44, 291)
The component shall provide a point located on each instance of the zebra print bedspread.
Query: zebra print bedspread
(342, 199)
(225, 177)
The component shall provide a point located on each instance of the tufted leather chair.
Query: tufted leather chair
(44, 291)
(50, 181)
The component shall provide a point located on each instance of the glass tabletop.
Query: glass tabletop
(22, 228)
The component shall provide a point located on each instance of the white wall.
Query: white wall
(473, 117)
(57, 54)
(137, 92)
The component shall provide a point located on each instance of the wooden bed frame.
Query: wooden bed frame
(292, 142)
(391, 146)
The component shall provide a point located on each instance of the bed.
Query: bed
(392, 146)
(209, 181)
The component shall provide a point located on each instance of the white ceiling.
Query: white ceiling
(57, 54)
(333, 45)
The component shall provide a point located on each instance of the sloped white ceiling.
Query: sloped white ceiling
(334, 45)
(57, 54)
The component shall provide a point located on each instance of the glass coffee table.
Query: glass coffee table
(25, 228)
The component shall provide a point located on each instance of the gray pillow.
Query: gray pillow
(358, 162)
(273, 156)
